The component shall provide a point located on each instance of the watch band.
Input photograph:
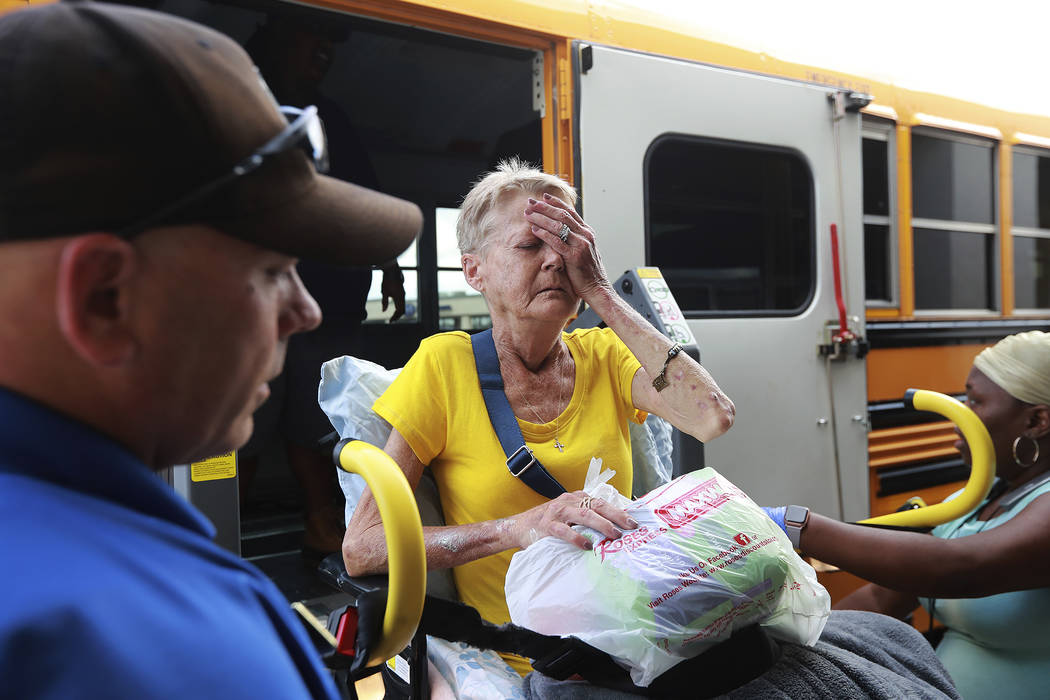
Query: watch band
(795, 520)
(660, 382)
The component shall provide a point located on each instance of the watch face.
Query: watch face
(796, 514)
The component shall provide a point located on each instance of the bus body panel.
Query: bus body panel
(790, 424)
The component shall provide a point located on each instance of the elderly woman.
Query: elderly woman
(534, 259)
(986, 576)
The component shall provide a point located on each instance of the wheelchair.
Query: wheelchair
(384, 629)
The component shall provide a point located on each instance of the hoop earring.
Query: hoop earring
(1035, 457)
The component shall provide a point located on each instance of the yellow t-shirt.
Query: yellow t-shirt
(436, 405)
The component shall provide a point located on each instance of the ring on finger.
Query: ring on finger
(563, 233)
(586, 502)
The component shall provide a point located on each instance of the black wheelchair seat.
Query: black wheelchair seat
(728, 665)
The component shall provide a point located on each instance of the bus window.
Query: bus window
(1031, 230)
(731, 226)
(458, 304)
(879, 241)
(478, 322)
(953, 226)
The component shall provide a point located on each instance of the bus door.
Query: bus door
(729, 183)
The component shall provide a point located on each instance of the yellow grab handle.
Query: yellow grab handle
(982, 467)
(406, 554)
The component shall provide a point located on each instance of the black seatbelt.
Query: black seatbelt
(521, 462)
(747, 654)
(744, 656)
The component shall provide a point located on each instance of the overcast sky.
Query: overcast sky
(987, 52)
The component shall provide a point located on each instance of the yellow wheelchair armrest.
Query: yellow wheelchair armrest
(404, 542)
(982, 467)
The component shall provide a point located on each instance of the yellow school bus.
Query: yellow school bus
(728, 170)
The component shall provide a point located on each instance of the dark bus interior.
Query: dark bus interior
(430, 112)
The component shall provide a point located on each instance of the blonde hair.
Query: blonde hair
(510, 175)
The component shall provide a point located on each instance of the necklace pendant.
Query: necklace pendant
(561, 447)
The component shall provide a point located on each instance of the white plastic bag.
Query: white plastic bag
(472, 673)
(651, 453)
(349, 386)
(704, 560)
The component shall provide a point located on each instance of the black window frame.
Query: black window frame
(961, 226)
(880, 129)
(811, 293)
(1026, 232)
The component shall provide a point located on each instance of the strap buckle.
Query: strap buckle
(532, 460)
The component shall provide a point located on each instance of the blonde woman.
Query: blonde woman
(532, 257)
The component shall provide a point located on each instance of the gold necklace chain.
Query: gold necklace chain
(557, 419)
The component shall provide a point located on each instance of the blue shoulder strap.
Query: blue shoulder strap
(520, 460)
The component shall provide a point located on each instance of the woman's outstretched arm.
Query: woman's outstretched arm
(1011, 557)
(364, 544)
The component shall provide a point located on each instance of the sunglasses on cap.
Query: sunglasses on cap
(304, 131)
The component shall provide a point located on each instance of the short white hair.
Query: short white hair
(510, 175)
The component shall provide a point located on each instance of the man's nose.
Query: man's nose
(301, 312)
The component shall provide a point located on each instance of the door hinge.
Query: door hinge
(539, 93)
(843, 103)
(564, 76)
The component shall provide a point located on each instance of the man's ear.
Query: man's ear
(471, 271)
(92, 298)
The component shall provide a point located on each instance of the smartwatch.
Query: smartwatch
(795, 520)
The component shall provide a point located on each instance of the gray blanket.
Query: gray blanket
(859, 655)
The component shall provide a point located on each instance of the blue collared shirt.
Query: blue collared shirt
(110, 585)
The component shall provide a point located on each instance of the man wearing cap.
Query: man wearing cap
(153, 202)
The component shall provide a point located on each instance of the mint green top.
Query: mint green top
(997, 646)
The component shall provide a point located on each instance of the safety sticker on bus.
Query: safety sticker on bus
(400, 666)
(222, 466)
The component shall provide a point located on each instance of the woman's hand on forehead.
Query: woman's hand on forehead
(559, 225)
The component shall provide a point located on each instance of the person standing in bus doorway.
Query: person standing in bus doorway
(294, 51)
(153, 201)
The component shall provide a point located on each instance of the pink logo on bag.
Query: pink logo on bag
(697, 502)
(629, 541)
(742, 539)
